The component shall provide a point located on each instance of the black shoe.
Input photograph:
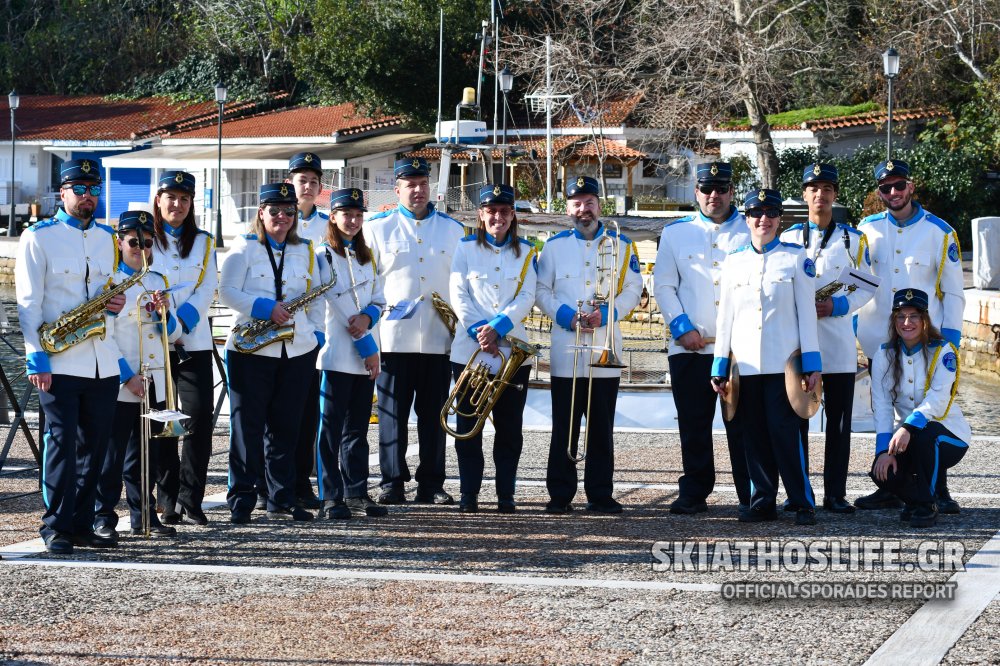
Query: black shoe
(469, 503)
(506, 506)
(805, 517)
(156, 531)
(364, 507)
(558, 508)
(57, 544)
(196, 515)
(945, 504)
(924, 515)
(296, 513)
(608, 505)
(106, 532)
(392, 496)
(686, 506)
(905, 513)
(752, 515)
(837, 505)
(240, 517)
(436, 497)
(335, 511)
(788, 505)
(261, 504)
(91, 540)
(880, 499)
(309, 501)
(171, 518)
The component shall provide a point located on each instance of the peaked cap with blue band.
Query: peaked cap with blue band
(349, 197)
(133, 220)
(80, 170)
(891, 168)
(305, 162)
(583, 185)
(176, 180)
(496, 194)
(910, 298)
(763, 198)
(278, 193)
(708, 172)
(819, 171)
(413, 166)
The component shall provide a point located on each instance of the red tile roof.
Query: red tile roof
(305, 121)
(871, 118)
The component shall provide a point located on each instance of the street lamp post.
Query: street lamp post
(220, 99)
(14, 101)
(890, 65)
(506, 83)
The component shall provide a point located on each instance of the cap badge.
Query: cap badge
(816, 170)
(355, 194)
(179, 178)
(909, 295)
(85, 167)
(496, 191)
(284, 190)
(889, 166)
(762, 195)
(308, 157)
(714, 170)
(580, 182)
(415, 164)
(142, 218)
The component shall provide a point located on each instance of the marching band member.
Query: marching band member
(349, 361)
(305, 172)
(261, 273)
(832, 247)
(412, 247)
(492, 289)
(767, 312)
(920, 428)
(63, 263)
(912, 248)
(568, 273)
(686, 280)
(185, 255)
(124, 457)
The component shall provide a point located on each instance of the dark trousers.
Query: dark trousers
(773, 442)
(305, 452)
(508, 416)
(345, 407)
(123, 462)
(265, 399)
(930, 452)
(78, 412)
(690, 376)
(599, 466)
(181, 479)
(838, 405)
(424, 378)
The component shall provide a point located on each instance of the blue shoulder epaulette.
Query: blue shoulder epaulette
(740, 249)
(794, 227)
(849, 228)
(885, 345)
(107, 228)
(322, 215)
(526, 242)
(468, 237)
(562, 234)
(207, 233)
(938, 222)
(250, 236)
(795, 245)
(380, 215)
(873, 218)
(937, 343)
(51, 222)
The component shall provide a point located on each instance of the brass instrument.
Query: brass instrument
(444, 311)
(829, 290)
(483, 391)
(255, 334)
(805, 403)
(85, 320)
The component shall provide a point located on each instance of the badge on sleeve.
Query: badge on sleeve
(949, 361)
(633, 264)
(868, 256)
(809, 267)
(953, 252)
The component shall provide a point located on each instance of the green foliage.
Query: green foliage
(194, 79)
(798, 116)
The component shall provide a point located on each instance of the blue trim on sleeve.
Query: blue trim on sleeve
(262, 308)
(37, 362)
(320, 337)
(840, 306)
(882, 440)
(366, 346)
(124, 371)
(951, 335)
(472, 329)
(564, 317)
(917, 420)
(680, 325)
(604, 314)
(502, 325)
(812, 362)
(171, 324)
(374, 312)
(720, 367)
(188, 314)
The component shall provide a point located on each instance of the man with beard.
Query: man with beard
(910, 248)
(686, 285)
(61, 263)
(567, 282)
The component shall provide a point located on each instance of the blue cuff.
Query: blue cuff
(124, 372)
(840, 306)
(604, 314)
(564, 317)
(502, 325)
(262, 308)
(472, 329)
(720, 367)
(952, 336)
(882, 443)
(373, 312)
(37, 362)
(188, 314)
(680, 325)
(812, 362)
(917, 420)
(171, 324)
(110, 313)
(320, 337)
(366, 346)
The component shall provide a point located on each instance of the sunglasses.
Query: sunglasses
(80, 190)
(764, 212)
(717, 189)
(146, 242)
(899, 186)
(275, 211)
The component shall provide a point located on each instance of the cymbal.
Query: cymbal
(804, 403)
(731, 398)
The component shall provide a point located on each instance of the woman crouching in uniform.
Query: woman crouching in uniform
(349, 361)
(261, 273)
(492, 289)
(767, 311)
(920, 429)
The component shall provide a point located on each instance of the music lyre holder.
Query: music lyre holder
(16, 406)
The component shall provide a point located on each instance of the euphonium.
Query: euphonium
(253, 335)
(444, 311)
(481, 390)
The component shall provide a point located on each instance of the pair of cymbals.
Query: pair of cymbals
(805, 403)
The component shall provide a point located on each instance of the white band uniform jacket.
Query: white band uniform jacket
(127, 334)
(688, 272)
(836, 332)
(340, 352)
(247, 286)
(197, 276)
(567, 273)
(414, 259)
(60, 265)
(491, 285)
(313, 227)
(921, 398)
(919, 253)
(767, 311)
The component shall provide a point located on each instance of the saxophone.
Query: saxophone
(829, 290)
(445, 311)
(254, 335)
(85, 320)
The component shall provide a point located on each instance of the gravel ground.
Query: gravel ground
(60, 615)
